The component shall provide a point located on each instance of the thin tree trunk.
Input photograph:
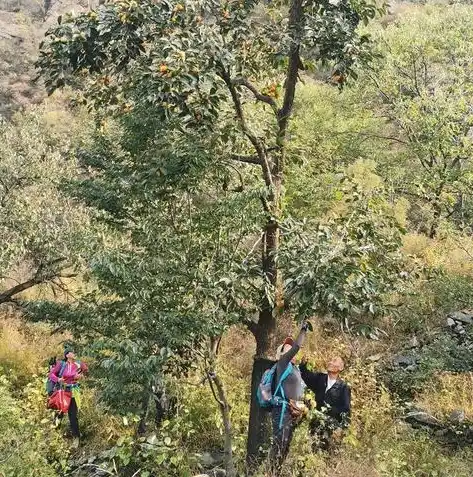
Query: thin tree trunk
(225, 411)
(144, 414)
(437, 206)
(221, 398)
(435, 221)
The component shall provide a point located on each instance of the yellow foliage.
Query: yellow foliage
(362, 173)
(453, 254)
(24, 349)
(452, 392)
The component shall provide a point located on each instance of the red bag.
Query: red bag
(60, 400)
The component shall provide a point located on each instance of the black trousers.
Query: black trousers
(73, 418)
(282, 437)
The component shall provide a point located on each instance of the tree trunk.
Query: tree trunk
(435, 221)
(224, 406)
(259, 427)
(225, 411)
(144, 415)
(273, 174)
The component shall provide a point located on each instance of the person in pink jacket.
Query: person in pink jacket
(72, 372)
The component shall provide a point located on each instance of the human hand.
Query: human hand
(306, 326)
(60, 380)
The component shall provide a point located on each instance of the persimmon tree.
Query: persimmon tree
(224, 71)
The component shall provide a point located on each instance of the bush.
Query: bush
(25, 448)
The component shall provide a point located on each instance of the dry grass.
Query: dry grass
(453, 254)
(24, 348)
(452, 392)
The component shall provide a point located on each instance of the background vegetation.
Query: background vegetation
(129, 229)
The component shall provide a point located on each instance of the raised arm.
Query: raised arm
(286, 358)
(84, 369)
(311, 379)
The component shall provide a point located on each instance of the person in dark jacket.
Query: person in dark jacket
(333, 397)
(283, 419)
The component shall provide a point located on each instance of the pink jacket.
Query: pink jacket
(70, 373)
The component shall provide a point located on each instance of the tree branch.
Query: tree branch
(39, 277)
(296, 23)
(259, 96)
(246, 159)
(371, 135)
(7, 295)
(259, 147)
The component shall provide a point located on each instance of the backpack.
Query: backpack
(266, 397)
(50, 384)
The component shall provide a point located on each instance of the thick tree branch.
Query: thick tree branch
(246, 159)
(259, 147)
(259, 96)
(8, 295)
(296, 24)
(39, 277)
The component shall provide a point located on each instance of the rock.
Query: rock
(462, 316)
(451, 322)
(214, 473)
(422, 418)
(414, 342)
(457, 416)
(375, 357)
(211, 459)
(404, 360)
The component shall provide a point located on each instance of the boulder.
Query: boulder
(422, 418)
(457, 416)
(402, 360)
(211, 459)
(414, 342)
(462, 316)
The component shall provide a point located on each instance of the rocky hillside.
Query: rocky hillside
(22, 25)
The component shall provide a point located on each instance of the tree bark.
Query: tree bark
(437, 206)
(265, 331)
(144, 416)
(225, 411)
(221, 398)
(259, 430)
